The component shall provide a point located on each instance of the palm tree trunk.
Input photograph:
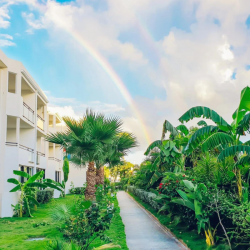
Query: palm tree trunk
(91, 182)
(100, 176)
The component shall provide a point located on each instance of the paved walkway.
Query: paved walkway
(142, 231)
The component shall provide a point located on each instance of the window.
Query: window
(12, 83)
(58, 176)
(28, 170)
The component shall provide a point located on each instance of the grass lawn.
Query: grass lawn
(191, 238)
(14, 231)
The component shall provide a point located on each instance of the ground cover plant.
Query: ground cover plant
(15, 231)
(198, 177)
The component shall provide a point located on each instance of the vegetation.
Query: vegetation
(200, 176)
(15, 231)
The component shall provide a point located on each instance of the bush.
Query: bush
(44, 196)
(145, 196)
(77, 190)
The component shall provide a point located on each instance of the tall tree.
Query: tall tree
(96, 140)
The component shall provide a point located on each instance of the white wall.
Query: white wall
(11, 135)
(29, 99)
(77, 176)
(27, 136)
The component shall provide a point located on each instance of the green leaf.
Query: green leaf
(199, 111)
(35, 177)
(182, 194)
(188, 184)
(14, 181)
(16, 188)
(199, 137)
(155, 144)
(30, 198)
(243, 125)
(185, 203)
(156, 176)
(197, 208)
(233, 150)
(202, 123)
(167, 126)
(244, 106)
(215, 140)
(21, 173)
(51, 185)
(36, 184)
(182, 128)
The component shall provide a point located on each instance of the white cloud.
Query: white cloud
(3, 16)
(35, 24)
(63, 111)
(6, 43)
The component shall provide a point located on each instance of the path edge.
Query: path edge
(164, 228)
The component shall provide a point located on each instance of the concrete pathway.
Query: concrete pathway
(142, 230)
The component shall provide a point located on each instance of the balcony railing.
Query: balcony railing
(54, 159)
(28, 113)
(11, 144)
(40, 122)
(30, 150)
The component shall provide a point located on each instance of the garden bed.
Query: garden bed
(14, 232)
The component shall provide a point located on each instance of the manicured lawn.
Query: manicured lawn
(14, 231)
(190, 238)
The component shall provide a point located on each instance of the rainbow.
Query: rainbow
(114, 77)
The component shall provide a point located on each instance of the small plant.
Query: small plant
(27, 190)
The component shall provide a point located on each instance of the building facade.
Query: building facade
(24, 122)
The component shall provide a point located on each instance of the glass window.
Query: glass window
(58, 176)
(28, 170)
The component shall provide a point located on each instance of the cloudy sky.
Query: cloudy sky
(144, 60)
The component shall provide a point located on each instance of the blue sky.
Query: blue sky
(171, 55)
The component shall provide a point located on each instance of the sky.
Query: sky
(145, 61)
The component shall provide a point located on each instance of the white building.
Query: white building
(24, 121)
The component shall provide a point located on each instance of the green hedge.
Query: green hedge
(44, 196)
(145, 196)
(77, 190)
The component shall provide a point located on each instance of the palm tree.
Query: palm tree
(223, 137)
(96, 140)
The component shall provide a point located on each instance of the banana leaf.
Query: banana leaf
(205, 112)
(233, 150)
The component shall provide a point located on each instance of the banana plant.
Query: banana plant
(193, 199)
(55, 185)
(223, 137)
(26, 188)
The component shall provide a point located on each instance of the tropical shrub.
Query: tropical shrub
(84, 221)
(44, 196)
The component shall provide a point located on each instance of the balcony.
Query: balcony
(28, 113)
(40, 122)
(54, 159)
(27, 155)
